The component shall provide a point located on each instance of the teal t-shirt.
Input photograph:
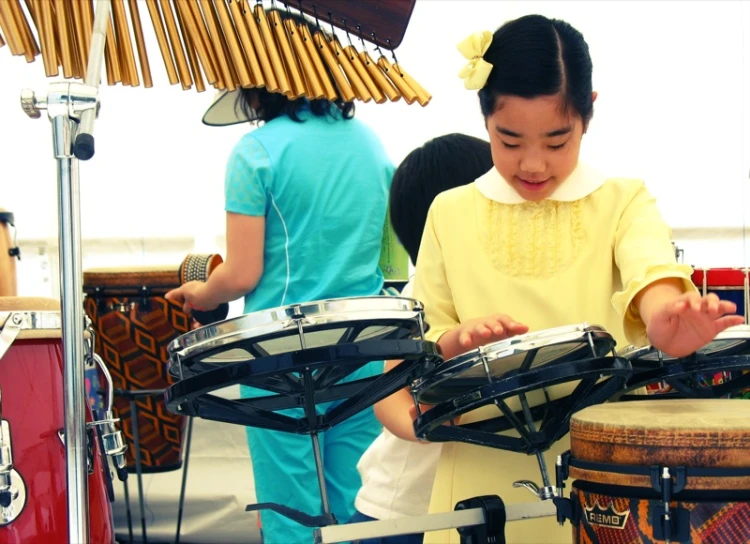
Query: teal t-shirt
(322, 186)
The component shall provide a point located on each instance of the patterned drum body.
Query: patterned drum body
(134, 324)
(619, 452)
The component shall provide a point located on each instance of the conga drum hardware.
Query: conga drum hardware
(12, 487)
(112, 441)
(518, 368)
(301, 355)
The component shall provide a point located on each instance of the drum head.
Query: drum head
(291, 328)
(732, 341)
(462, 374)
(300, 356)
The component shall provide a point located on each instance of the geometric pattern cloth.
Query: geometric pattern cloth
(132, 336)
(620, 520)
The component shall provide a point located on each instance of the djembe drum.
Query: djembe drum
(657, 471)
(134, 325)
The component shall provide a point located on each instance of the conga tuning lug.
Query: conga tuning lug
(12, 487)
(13, 500)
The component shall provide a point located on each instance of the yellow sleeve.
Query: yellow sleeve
(643, 254)
(430, 280)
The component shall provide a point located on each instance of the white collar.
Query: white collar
(583, 181)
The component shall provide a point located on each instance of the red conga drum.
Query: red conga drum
(31, 379)
(8, 255)
(655, 471)
(134, 325)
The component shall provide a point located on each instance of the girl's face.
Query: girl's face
(535, 145)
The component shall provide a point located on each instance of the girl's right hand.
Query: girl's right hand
(485, 330)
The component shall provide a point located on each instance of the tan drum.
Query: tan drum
(661, 471)
(8, 255)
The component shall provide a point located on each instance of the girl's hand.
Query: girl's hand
(684, 325)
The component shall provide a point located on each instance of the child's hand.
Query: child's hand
(193, 295)
(485, 330)
(689, 322)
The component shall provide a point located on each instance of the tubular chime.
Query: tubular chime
(232, 43)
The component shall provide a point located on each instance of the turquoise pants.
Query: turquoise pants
(284, 467)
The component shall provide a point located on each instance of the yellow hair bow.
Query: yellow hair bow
(477, 70)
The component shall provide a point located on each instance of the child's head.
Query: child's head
(440, 164)
(259, 105)
(537, 102)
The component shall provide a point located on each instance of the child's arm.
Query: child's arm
(395, 412)
(680, 323)
(659, 303)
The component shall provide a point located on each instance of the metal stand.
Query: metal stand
(188, 439)
(478, 513)
(67, 104)
(132, 397)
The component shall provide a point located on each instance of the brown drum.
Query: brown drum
(134, 324)
(661, 471)
(8, 256)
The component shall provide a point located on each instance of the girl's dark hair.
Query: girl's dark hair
(272, 105)
(534, 56)
(440, 164)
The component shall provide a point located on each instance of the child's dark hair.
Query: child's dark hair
(534, 56)
(271, 105)
(440, 164)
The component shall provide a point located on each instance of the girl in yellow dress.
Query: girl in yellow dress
(543, 241)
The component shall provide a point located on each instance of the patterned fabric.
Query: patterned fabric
(132, 340)
(616, 520)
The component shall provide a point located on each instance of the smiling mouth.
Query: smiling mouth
(533, 185)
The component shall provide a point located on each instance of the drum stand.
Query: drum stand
(71, 108)
(132, 397)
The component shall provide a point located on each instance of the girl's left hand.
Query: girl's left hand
(193, 295)
(686, 324)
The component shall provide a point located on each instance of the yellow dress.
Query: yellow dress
(546, 264)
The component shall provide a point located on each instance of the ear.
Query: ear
(594, 94)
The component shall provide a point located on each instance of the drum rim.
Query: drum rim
(281, 318)
(737, 332)
(34, 319)
(502, 349)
